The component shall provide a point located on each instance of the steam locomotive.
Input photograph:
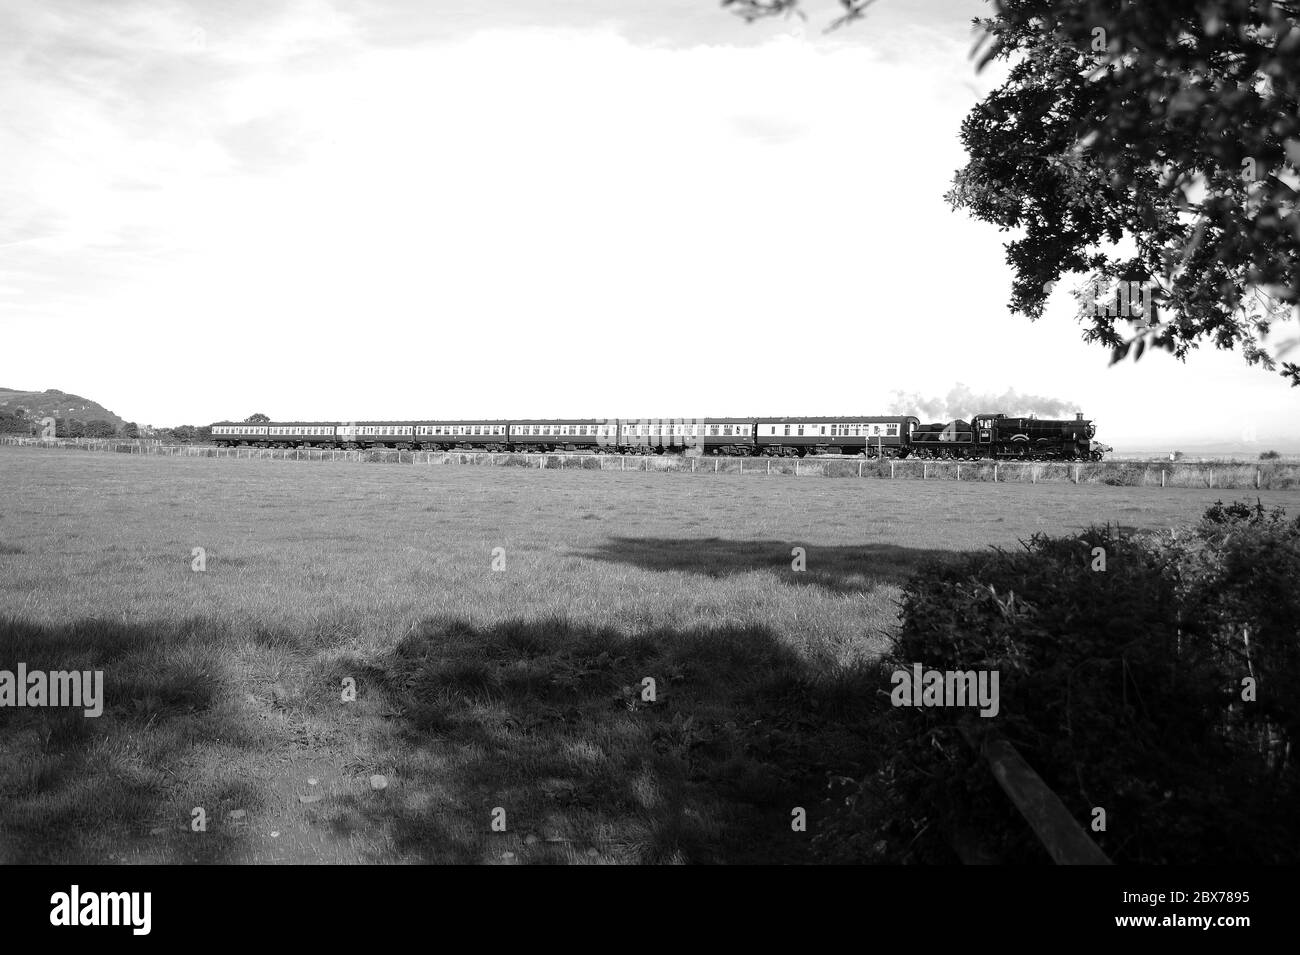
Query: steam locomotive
(995, 436)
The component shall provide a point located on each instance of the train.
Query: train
(985, 436)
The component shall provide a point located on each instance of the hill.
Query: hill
(56, 404)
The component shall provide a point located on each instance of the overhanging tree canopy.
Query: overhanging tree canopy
(1173, 125)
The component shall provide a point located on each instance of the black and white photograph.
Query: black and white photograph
(651, 432)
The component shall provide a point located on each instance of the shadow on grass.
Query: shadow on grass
(92, 789)
(845, 570)
(547, 724)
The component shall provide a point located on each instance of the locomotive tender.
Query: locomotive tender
(996, 436)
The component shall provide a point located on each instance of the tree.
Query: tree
(11, 423)
(258, 418)
(69, 428)
(185, 433)
(99, 429)
(1172, 124)
(130, 430)
(203, 433)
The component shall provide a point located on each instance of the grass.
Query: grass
(477, 690)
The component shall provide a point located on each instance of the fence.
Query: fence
(1268, 475)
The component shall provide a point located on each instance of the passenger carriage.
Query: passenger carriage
(465, 435)
(228, 434)
(575, 434)
(874, 436)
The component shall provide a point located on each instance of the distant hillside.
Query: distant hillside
(56, 404)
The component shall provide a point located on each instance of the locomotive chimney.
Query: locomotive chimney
(1078, 416)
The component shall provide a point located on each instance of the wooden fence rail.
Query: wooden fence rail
(1061, 835)
(1225, 476)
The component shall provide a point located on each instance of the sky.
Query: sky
(574, 208)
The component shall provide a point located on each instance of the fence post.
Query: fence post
(716, 461)
(1033, 474)
(796, 467)
(1211, 477)
(925, 470)
(692, 465)
(769, 467)
(1162, 477)
(1076, 474)
(959, 472)
(995, 472)
(891, 470)
(541, 462)
(1257, 476)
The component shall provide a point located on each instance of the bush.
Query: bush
(1123, 689)
(1269, 456)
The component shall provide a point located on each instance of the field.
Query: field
(503, 708)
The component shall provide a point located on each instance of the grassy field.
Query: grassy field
(482, 694)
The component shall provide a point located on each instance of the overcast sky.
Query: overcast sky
(383, 209)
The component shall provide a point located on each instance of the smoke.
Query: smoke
(962, 402)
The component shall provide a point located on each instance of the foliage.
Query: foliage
(1269, 456)
(99, 429)
(1122, 688)
(130, 430)
(258, 418)
(14, 423)
(1171, 124)
(69, 428)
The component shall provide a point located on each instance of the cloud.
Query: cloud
(964, 402)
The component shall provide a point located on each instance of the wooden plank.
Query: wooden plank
(1061, 835)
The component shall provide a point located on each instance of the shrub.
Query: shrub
(1123, 689)
(1269, 455)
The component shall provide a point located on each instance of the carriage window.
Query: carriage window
(823, 427)
(726, 429)
(787, 431)
(801, 429)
